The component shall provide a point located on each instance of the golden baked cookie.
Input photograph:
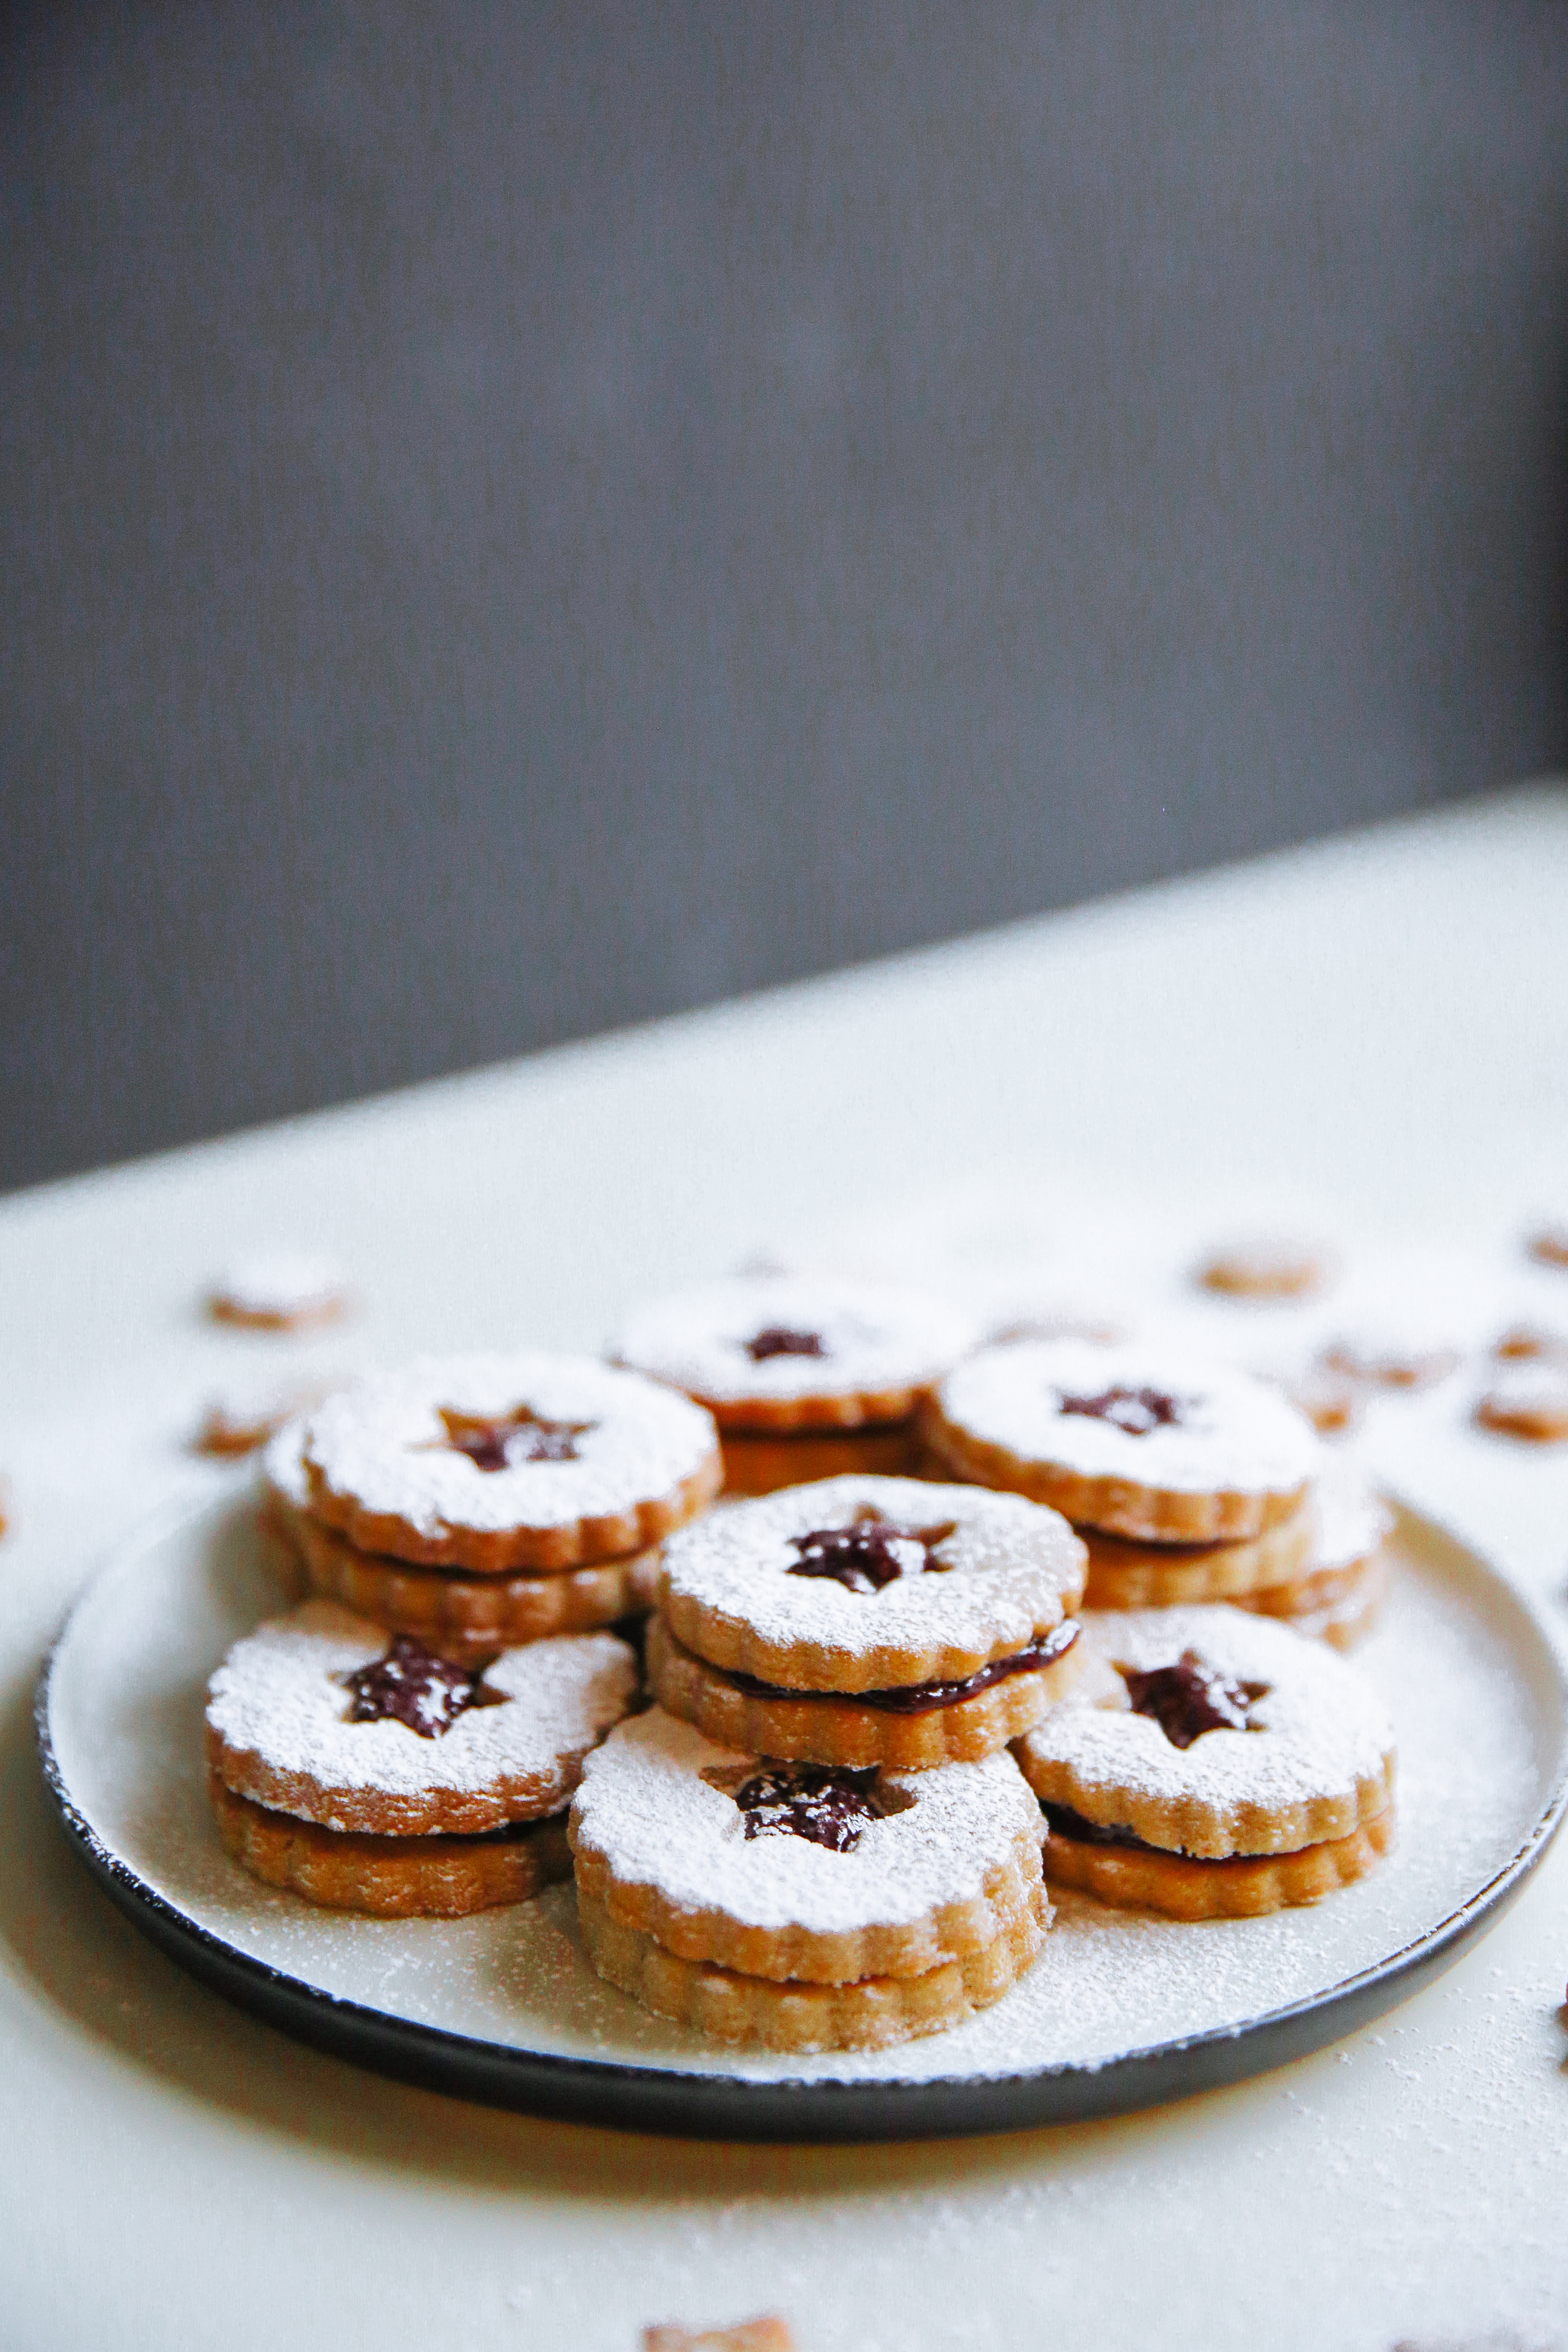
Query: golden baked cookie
(1241, 1738)
(871, 1907)
(284, 1290)
(471, 1617)
(859, 1584)
(1243, 1886)
(912, 1728)
(770, 1353)
(391, 1878)
(767, 2334)
(1132, 1441)
(1548, 1244)
(248, 1414)
(320, 1715)
(1125, 1573)
(1529, 1401)
(495, 1463)
(752, 2011)
(1267, 1266)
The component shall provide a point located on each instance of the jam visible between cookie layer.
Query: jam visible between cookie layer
(778, 1340)
(1134, 1411)
(1062, 1822)
(1192, 1698)
(923, 1698)
(412, 1686)
(826, 1804)
(506, 1441)
(870, 1553)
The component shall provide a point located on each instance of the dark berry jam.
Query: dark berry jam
(778, 1340)
(412, 1686)
(826, 1804)
(513, 1439)
(868, 1553)
(1135, 1412)
(1192, 1698)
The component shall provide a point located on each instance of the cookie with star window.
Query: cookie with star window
(1245, 1769)
(496, 1463)
(801, 1906)
(868, 1621)
(1130, 1441)
(370, 1773)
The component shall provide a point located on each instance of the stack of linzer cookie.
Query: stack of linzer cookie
(406, 1741)
(826, 1830)
(1202, 1491)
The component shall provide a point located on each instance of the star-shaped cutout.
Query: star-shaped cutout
(509, 1440)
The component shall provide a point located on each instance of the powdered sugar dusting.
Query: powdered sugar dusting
(1235, 1433)
(874, 1337)
(281, 1283)
(279, 1695)
(385, 1443)
(1321, 1727)
(645, 1807)
(1351, 1520)
(1009, 1568)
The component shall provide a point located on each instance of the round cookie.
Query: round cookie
(861, 1584)
(1529, 1401)
(800, 1907)
(1340, 1594)
(1267, 1267)
(318, 1715)
(472, 1617)
(1125, 1573)
(768, 1354)
(285, 1290)
(494, 1464)
(391, 1877)
(762, 1465)
(1132, 1440)
(1240, 1737)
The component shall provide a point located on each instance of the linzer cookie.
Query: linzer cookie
(319, 1715)
(833, 1367)
(1249, 1770)
(495, 1464)
(868, 1621)
(467, 1617)
(286, 1290)
(1130, 1441)
(1529, 1401)
(1267, 1267)
(801, 1906)
(1340, 1594)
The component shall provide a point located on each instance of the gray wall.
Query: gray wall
(521, 518)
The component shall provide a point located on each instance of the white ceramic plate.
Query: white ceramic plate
(1123, 2009)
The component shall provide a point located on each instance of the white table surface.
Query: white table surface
(1372, 1032)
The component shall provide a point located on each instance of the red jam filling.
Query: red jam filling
(868, 1553)
(1135, 1412)
(1192, 1698)
(922, 1699)
(511, 1439)
(777, 1340)
(826, 1804)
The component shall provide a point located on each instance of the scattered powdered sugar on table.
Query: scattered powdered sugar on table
(385, 1444)
(1321, 1726)
(279, 1695)
(645, 1807)
(1234, 1433)
(1353, 1520)
(1010, 1567)
(1477, 1717)
(873, 1337)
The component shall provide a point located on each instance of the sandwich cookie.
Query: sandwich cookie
(1129, 1441)
(1246, 1769)
(798, 1906)
(495, 1463)
(808, 1376)
(373, 1775)
(868, 1621)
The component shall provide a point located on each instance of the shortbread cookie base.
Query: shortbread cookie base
(389, 1877)
(467, 1618)
(1126, 1574)
(735, 2008)
(587, 1542)
(950, 1931)
(1242, 1888)
(821, 1728)
(1344, 1622)
(762, 1465)
(1113, 1506)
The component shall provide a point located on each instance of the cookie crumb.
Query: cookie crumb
(1530, 1340)
(1389, 1363)
(768, 2333)
(239, 1420)
(1548, 1245)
